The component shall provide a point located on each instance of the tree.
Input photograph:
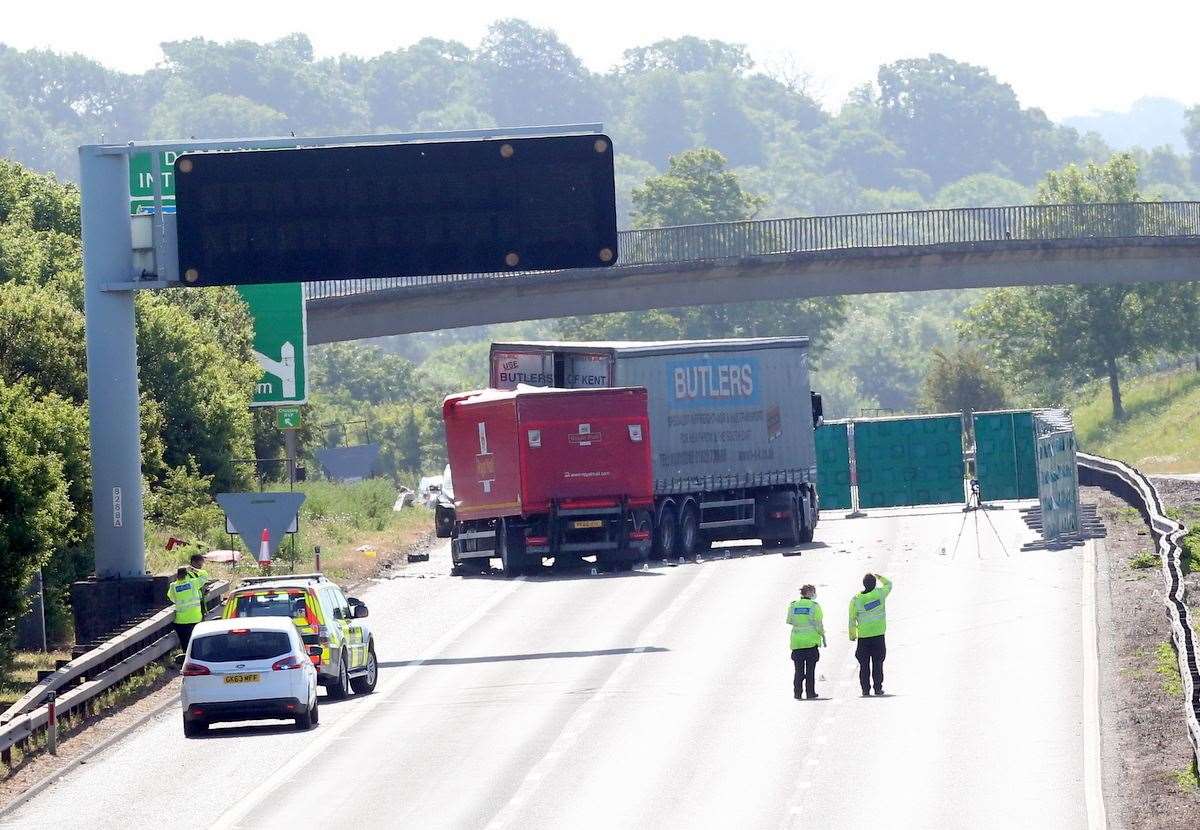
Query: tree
(688, 54)
(953, 119)
(406, 85)
(960, 380)
(531, 77)
(696, 188)
(982, 190)
(1055, 336)
(35, 499)
(1191, 134)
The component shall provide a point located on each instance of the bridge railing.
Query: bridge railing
(765, 237)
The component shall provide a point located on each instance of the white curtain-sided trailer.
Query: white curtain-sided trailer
(731, 429)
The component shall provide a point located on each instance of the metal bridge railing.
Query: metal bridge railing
(764, 237)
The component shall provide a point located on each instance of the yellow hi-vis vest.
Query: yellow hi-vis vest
(868, 611)
(805, 618)
(189, 603)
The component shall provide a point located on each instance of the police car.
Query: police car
(325, 617)
(248, 670)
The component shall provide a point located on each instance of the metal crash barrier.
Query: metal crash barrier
(1133, 487)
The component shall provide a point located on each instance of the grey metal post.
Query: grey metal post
(112, 364)
(290, 442)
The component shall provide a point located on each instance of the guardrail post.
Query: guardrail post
(51, 724)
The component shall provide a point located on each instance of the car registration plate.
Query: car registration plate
(242, 678)
(586, 523)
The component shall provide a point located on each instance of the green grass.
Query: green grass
(337, 517)
(128, 690)
(1187, 780)
(19, 677)
(1143, 560)
(1167, 667)
(1160, 433)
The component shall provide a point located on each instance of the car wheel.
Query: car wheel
(339, 688)
(306, 720)
(194, 728)
(364, 684)
(316, 711)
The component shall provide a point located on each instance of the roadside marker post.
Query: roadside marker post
(51, 723)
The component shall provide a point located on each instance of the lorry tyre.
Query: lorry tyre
(689, 532)
(808, 525)
(512, 560)
(796, 525)
(664, 534)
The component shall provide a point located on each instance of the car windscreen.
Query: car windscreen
(270, 604)
(230, 646)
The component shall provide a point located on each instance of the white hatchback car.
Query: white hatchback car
(248, 669)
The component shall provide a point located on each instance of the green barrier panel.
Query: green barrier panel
(909, 461)
(1005, 455)
(833, 466)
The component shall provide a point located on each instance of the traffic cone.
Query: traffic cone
(264, 549)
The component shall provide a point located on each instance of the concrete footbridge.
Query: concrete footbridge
(770, 259)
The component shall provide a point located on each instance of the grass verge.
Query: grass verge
(1159, 434)
(131, 688)
(353, 524)
(22, 673)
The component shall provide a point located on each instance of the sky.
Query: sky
(1067, 57)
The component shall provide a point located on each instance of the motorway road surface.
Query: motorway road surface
(662, 698)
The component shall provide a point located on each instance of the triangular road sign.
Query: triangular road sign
(251, 513)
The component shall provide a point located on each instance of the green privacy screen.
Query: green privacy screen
(907, 461)
(833, 466)
(1005, 456)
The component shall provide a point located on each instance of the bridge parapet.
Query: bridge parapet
(952, 227)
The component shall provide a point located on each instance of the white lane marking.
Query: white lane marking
(327, 735)
(1093, 785)
(583, 715)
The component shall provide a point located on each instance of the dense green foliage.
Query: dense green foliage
(196, 376)
(1052, 338)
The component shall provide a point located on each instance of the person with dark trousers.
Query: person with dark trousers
(868, 623)
(808, 633)
(185, 594)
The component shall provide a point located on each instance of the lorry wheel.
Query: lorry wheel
(807, 528)
(511, 560)
(664, 535)
(689, 532)
(796, 525)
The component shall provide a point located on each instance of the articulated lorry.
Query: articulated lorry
(543, 472)
(731, 423)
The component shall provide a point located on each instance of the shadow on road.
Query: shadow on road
(505, 658)
(257, 728)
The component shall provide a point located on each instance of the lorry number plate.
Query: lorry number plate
(587, 523)
(241, 678)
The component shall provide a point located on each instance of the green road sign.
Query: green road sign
(280, 338)
(287, 417)
(141, 181)
(280, 325)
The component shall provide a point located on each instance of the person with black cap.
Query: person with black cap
(808, 633)
(868, 622)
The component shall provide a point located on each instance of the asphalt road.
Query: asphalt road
(662, 698)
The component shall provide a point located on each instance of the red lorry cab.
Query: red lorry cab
(515, 452)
